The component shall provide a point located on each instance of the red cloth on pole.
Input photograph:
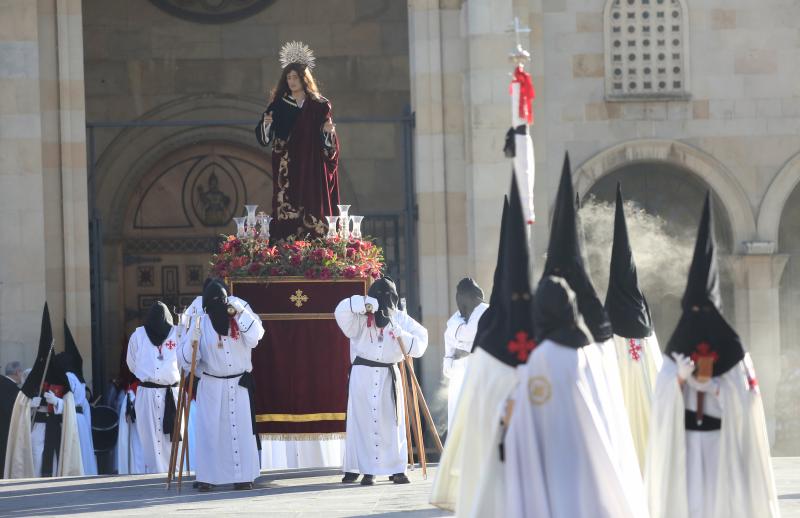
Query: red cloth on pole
(526, 93)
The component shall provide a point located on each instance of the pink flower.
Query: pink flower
(325, 273)
(311, 273)
(296, 259)
(254, 269)
(275, 271)
(350, 272)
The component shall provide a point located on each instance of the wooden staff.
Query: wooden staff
(425, 410)
(417, 422)
(173, 454)
(189, 391)
(406, 396)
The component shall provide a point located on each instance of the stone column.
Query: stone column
(43, 200)
(757, 293)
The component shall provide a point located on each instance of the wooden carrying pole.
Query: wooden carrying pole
(173, 454)
(406, 396)
(189, 391)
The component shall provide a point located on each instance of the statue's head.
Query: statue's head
(213, 181)
(296, 77)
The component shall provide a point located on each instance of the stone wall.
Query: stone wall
(43, 177)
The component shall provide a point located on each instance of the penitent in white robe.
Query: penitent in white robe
(25, 443)
(712, 474)
(639, 362)
(144, 363)
(459, 335)
(84, 421)
(470, 459)
(225, 448)
(559, 457)
(375, 443)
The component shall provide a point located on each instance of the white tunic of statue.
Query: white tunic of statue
(559, 456)
(144, 363)
(84, 420)
(225, 448)
(724, 473)
(459, 335)
(375, 443)
(639, 361)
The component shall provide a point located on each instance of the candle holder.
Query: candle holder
(264, 220)
(344, 221)
(356, 232)
(332, 223)
(251, 215)
(240, 229)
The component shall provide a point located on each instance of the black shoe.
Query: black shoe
(204, 487)
(195, 484)
(400, 478)
(349, 477)
(368, 480)
(239, 486)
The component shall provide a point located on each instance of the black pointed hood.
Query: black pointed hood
(158, 323)
(509, 332)
(565, 258)
(487, 321)
(625, 303)
(215, 304)
(55, 374)
(70, 359)
(702, 330)
(384, 290)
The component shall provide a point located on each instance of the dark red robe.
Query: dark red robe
(304, 166)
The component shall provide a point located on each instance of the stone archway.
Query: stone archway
(772, 205)
(684, 156)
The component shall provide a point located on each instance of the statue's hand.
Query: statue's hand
(267, 118)
(329, 127)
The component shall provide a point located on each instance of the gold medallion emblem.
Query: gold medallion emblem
(539, 390)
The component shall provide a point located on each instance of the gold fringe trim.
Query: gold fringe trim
(301, 418)
(302, 436)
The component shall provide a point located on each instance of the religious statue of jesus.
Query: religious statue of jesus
(305, 148)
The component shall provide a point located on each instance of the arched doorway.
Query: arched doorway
(787, 408)
(175, 217)
(672, 198)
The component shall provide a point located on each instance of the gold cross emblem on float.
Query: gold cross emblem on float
(299, 298)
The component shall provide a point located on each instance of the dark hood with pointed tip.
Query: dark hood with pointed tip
(506, 330)
(55, 373)
(565, 258)
(557, 315)
(625, 303)
(71, 359)
(702, 330)
(158, 323)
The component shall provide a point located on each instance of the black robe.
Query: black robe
(8, 395)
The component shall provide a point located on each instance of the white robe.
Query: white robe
(459, 335)
(144, 363)
(375, 442)
(470, 459)
(25, 443)
(719, 474)
(639, 362)
(559, 456)
(84, 421)
(130, 460)
(225, 446)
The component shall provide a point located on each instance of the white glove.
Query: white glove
(131, 396)
(238, 306)
(36, 402)
(57, 402)
(371, 301)
(685, 366)
(711, 386)
(447, 367)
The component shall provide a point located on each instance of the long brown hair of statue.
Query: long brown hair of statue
(309, 85)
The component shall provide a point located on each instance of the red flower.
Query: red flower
(255, 268)
(275, 271)
(311, 273)
(325, 273)
(350, 272)
(296, 259)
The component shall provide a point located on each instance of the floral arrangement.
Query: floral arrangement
(313, 258)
